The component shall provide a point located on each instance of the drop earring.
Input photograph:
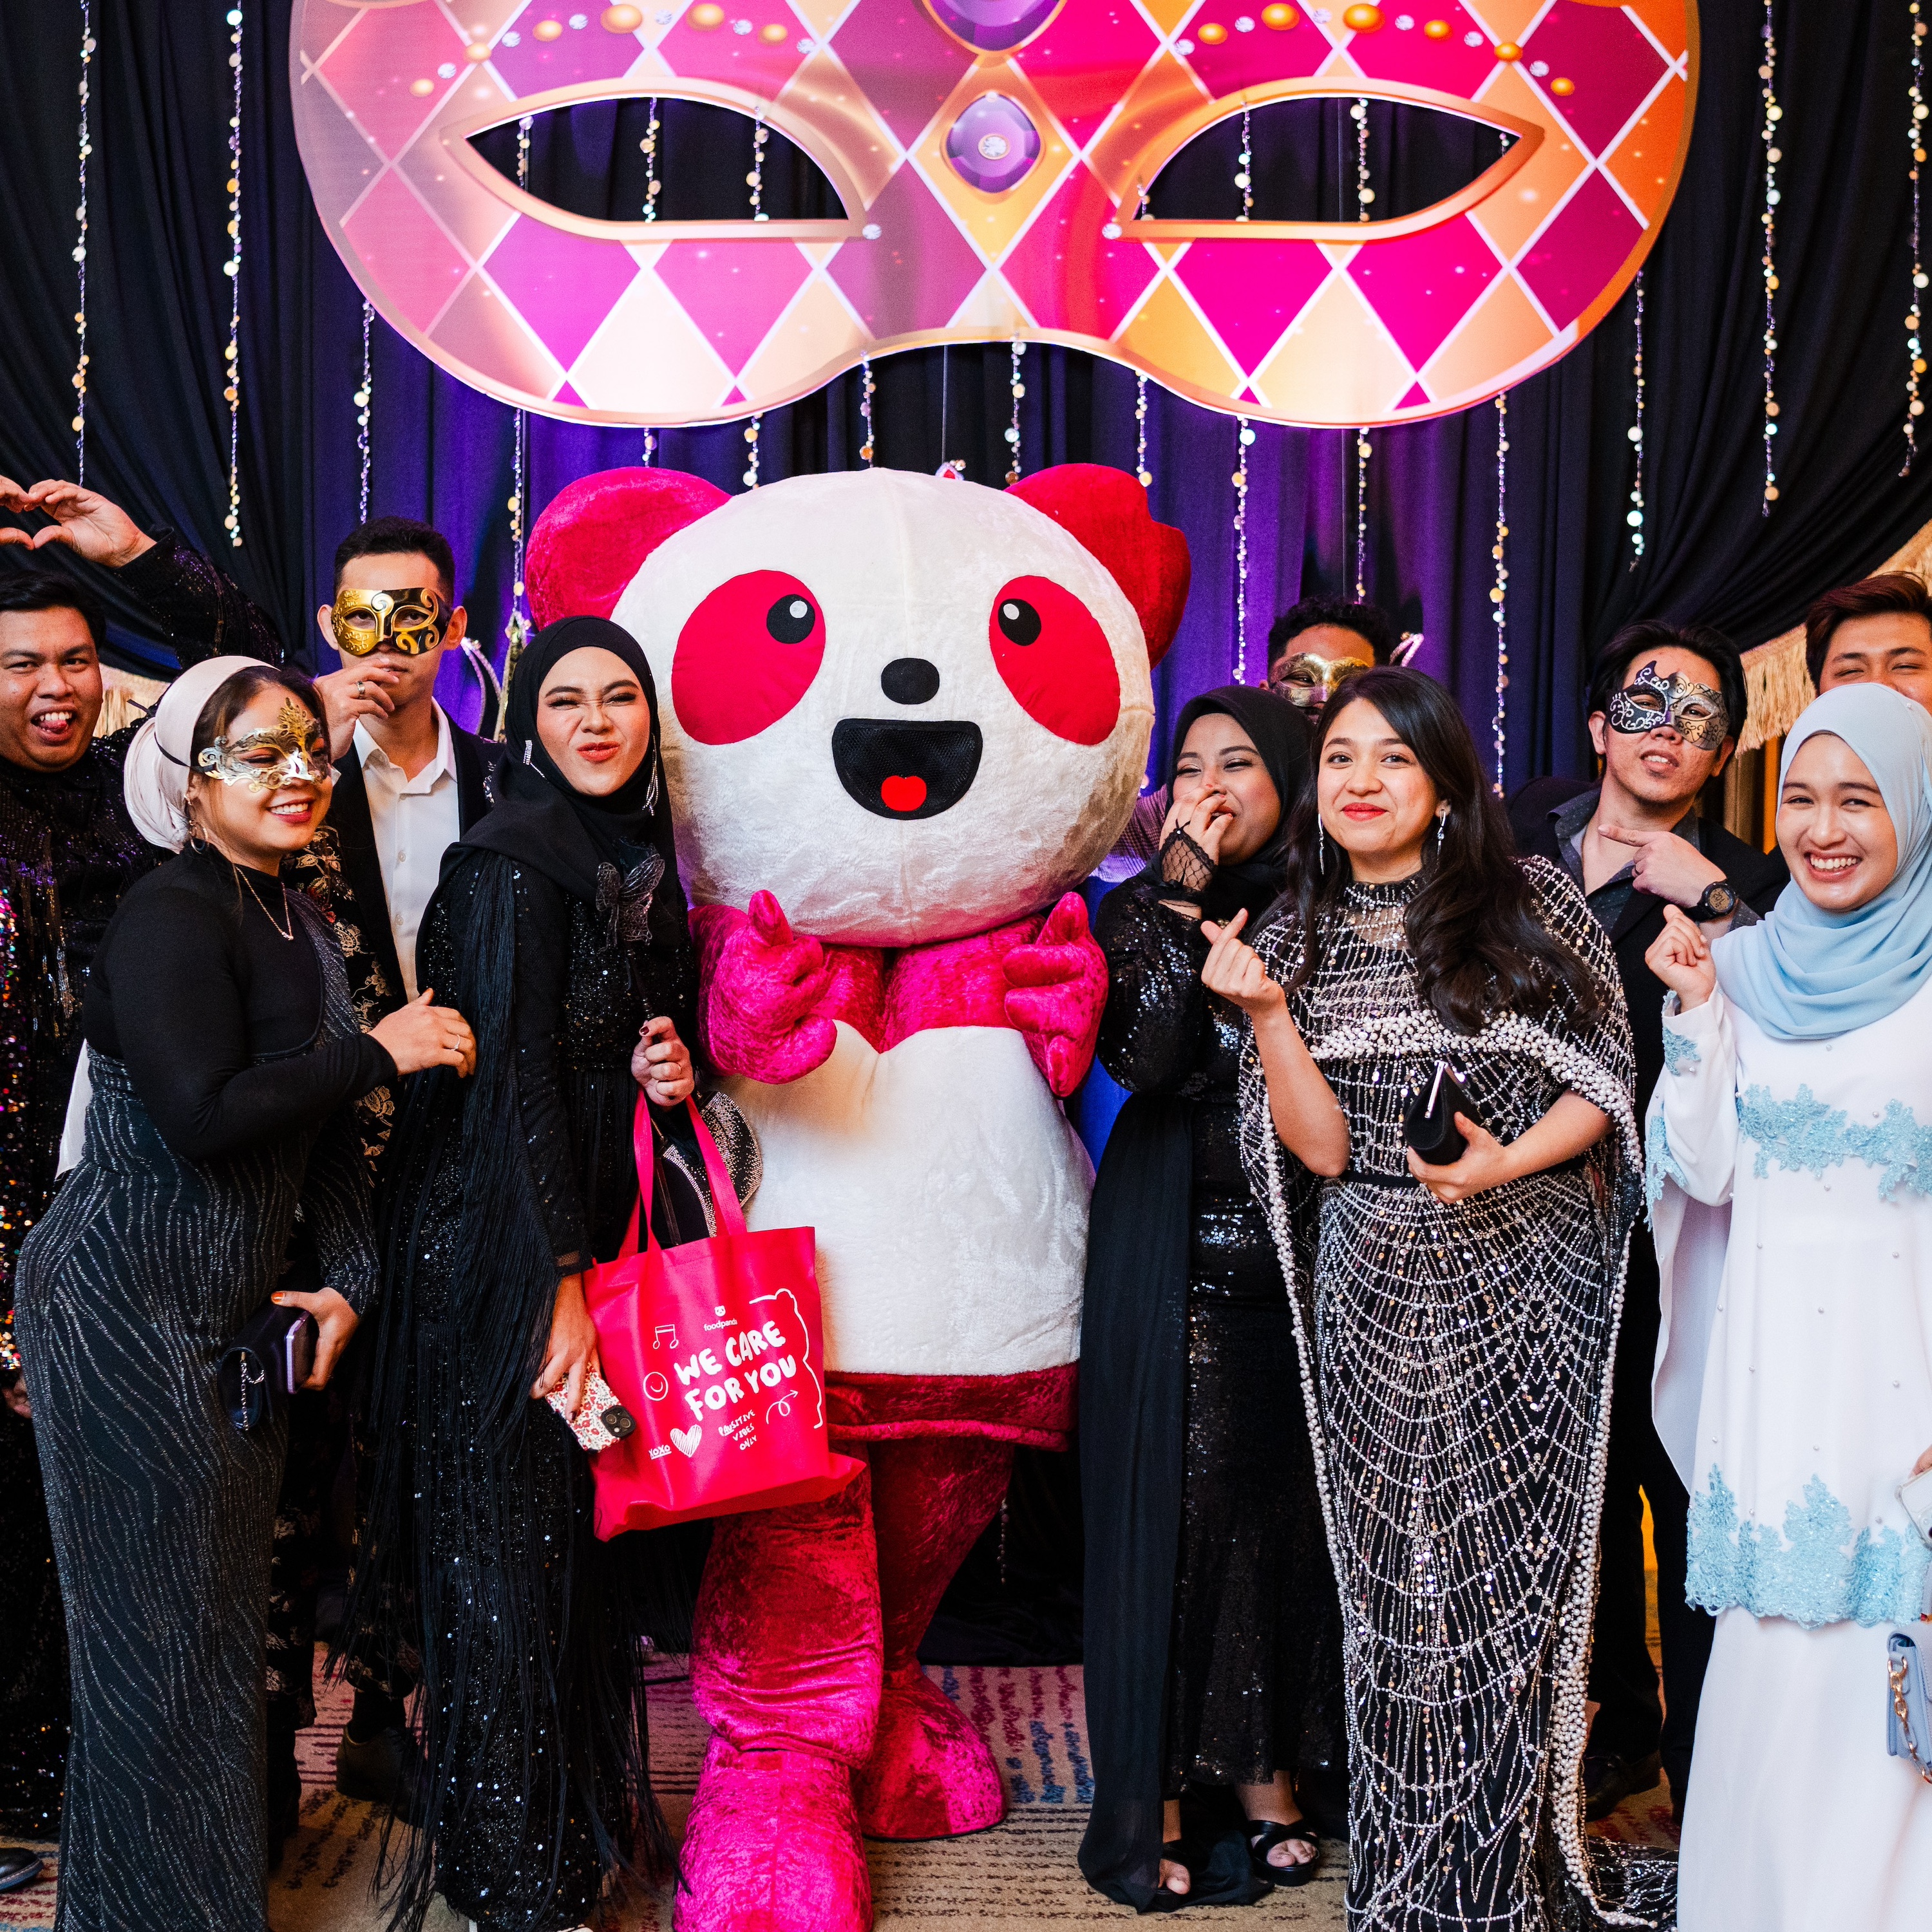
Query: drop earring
(1442, 824)
(1321, 845)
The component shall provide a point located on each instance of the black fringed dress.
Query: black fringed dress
(558, 929)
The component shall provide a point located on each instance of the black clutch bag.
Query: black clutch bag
(1428, 1125)
(266, 1362)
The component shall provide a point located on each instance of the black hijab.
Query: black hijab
(539, 818)
(1280, 734)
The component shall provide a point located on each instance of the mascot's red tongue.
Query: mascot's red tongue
(902, 794)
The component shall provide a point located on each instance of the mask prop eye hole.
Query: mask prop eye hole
(745, 656)
(1055, 659)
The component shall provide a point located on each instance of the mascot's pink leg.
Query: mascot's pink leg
(785, 1670)
(930, 1774)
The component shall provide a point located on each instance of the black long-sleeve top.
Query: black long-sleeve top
(1162, 1032)
(215, 1013)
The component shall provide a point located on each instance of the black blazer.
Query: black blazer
(368, 905)
(1757, 878)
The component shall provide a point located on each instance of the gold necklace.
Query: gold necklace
(287, 931)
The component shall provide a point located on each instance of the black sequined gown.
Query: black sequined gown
(67, 853)
(226, 1063)
(532, 1709)
(1461, 1366)
(1250, 1649)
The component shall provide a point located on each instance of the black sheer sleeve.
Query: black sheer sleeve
(537, 1026)
(336, 1205)
(178, 1015)
(1153, 1033)
(200, 612)
(667, 968)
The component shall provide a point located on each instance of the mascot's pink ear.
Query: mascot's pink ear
(592, 538)
(1107, 510)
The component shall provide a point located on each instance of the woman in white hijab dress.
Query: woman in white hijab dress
(1790, 1158)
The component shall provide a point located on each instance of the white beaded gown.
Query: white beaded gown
(1792, 1186)
(1458, 1391)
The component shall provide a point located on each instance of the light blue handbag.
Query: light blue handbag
(1909, 1721)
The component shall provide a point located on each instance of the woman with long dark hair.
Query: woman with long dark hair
(1457, 1316)
(1213, 1641)
(225, 1063)
(560, 927)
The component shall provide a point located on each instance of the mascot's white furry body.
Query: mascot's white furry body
(903, 718)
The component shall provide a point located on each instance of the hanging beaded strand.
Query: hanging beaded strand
(751, 453)
(1364, 450)
(86, 147)
(1364, 194)
(1245, 441)
(865, 448)
(1140, 469)
(1013, 427)
(365, 395)
(1914, 142)
(755, 180)
(1634, 516)
(653, 187)
(518, 629)
(1245, 179)
(1767, 73)
(231, 268)
(1499, 594)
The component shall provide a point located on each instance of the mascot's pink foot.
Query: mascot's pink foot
(772, 1846)
(930, 1774)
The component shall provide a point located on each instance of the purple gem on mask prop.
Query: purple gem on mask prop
(992, 25)
(993, 143)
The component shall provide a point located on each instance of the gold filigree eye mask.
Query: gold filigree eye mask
(295, 752)
(1308, 679)
(411, 621)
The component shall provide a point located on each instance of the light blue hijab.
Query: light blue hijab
(1805, 974)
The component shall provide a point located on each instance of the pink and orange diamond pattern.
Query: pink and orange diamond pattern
(1325, 324)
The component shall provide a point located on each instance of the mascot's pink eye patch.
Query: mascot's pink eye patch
(1055, 658)
(745, 656)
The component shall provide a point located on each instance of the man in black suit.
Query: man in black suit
(410, 781)
(1666, 705)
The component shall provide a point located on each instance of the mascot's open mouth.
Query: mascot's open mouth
(905, 770)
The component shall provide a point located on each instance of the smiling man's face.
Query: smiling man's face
(50, 687)
(1662, 767)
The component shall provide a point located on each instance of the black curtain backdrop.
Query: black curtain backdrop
(158, 429)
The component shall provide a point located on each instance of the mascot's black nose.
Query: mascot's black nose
(910, 680)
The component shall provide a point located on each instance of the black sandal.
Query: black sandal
(1174, 1852)
(1262, 1839)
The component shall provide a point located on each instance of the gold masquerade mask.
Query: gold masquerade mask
(411, 621)
(1308, 679)
(295, 752)
(1647, 703)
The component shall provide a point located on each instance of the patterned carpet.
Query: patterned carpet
(1022, 1875)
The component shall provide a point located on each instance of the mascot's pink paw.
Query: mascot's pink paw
(930, 1774)
(772, 1846)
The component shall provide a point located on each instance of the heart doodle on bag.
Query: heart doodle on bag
(686, 1440)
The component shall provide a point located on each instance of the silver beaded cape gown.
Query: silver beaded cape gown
(1458, 1390)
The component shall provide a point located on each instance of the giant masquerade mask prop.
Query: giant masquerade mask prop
(295, 752)
(411, 621)
(992, 156)
(1648, 703)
